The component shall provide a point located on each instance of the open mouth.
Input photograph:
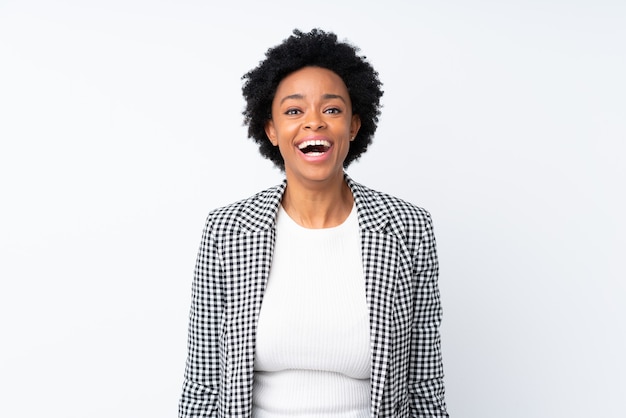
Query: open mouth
(313, 148)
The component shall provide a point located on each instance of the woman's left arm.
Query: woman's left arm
(426, 386)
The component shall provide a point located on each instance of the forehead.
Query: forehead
(312, 79)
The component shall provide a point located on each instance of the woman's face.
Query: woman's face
(312, 124)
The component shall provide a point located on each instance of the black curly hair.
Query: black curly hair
(316, 48)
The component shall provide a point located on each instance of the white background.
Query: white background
(120, 127)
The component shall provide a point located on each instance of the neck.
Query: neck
(318, 207)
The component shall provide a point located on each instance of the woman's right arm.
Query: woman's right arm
(202, 371)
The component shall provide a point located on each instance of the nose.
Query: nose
(314, 121)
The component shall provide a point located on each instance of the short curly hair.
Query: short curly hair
(316, 48)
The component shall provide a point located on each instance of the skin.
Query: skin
(313, 104)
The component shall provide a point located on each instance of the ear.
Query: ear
(355, 125)
(270, 131)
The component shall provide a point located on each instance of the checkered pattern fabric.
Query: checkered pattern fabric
(401, 270)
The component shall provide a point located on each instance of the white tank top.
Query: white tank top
(312, 355)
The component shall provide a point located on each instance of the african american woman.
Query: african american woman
(317, 297)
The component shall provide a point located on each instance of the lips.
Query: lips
(314, 147)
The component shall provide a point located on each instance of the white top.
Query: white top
(312, 355)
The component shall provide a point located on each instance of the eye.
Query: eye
(333, 111)
(292, 111)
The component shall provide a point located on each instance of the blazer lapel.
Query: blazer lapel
(248, 258)
(380, 252)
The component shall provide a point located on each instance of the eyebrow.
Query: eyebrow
(298, 96)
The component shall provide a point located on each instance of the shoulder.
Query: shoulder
(254, 212)
(402, 207)
(401, 211)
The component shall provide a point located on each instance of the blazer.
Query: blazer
(401, 272)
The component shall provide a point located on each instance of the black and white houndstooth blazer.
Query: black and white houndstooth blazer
(401, 270)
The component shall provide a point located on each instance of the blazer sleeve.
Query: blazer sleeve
(201, 380)
(426, 389)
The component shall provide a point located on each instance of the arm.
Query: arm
(201, 382)
(426, 387)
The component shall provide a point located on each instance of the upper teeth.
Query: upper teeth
(312, 143)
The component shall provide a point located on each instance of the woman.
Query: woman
(317, 297)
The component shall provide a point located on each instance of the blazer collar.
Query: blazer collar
(379, 231)
(259, 213)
